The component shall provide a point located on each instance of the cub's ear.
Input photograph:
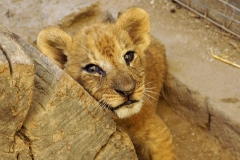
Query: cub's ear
(53, 42)
(136, 22)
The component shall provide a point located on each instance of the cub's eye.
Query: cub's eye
(129, 56)
(92, 69)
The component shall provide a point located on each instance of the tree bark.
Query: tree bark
(45, 114)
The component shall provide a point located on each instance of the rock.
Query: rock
(216, 112)
(186, 102)
(226, 125)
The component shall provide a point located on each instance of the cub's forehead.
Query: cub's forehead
(106, 39)
(103, 44)
(105, 34)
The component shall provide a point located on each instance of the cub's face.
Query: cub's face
(106, 62)
(106, 59)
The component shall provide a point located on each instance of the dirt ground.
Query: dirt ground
(176, 27)
(190, 141)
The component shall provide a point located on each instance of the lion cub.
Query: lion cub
(113, 64)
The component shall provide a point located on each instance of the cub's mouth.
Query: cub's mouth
(126, 103)
(126, 109)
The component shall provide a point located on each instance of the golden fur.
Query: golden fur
(112, 63)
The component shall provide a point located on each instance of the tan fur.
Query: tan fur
(117, 81)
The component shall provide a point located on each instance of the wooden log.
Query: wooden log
(64, 121)
(16, 85)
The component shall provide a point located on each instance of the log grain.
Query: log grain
(60, 119)
(16, 86)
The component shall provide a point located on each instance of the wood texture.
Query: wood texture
(16, 84)
(63, 121)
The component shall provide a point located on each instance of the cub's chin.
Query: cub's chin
(128, 110)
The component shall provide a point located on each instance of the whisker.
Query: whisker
(150, 82)
(151, 88)
(147, 99)
(156, 93)
(104, 104)
(101, 100)
(150, 96)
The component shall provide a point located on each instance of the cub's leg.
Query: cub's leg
(150, 136)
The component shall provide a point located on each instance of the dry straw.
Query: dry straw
(222, 58)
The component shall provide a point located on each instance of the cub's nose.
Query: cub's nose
(125, 93)
(124, 84)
